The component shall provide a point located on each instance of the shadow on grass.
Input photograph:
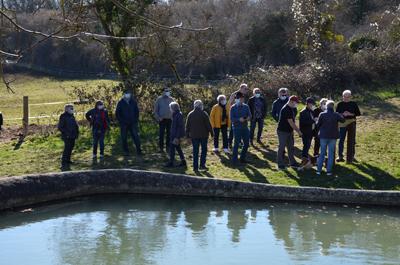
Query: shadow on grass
(364, 176)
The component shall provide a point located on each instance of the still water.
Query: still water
(168, 230)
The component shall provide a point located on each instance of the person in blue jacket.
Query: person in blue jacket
(277, 105)
(69, 129)
(177, 133)
(240, 116)
(100, 123)
(127, 114)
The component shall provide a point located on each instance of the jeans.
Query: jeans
(329, 144)
(253, 124)
(224, 132)
(133, 129)
(178, 149)
(350, 130)
(286, 140)
(68, 147)
(241, 134)
(164, 132)
(307, 139)
(197, 142)
(98, 139)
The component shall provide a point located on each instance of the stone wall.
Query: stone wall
(27, 190)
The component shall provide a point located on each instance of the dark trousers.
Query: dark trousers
(133, 129)
(178, 149)
(241, 135)
(307, 139)
(317, 144)
(253, 124)
(224, 132)
(230, 137)
(98, 139)
(197, 143)
(68, 147)
(164, 133)
(350, 131)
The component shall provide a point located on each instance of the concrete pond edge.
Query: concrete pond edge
(23, 191)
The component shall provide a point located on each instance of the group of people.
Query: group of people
(236, 120)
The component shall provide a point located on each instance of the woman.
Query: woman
(100, 122)
(177, 133)
(220, 122)
(328, 125)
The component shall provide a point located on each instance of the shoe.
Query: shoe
(318, 173)
(340, 159)
(226, 151)
(355, 160)
(259, 141)
(94, 156)
(251, 143)
(304, 162)
(169, 165)
(182, 164)
(203, 168)
(101, 156)
(295, 165)
(329, 173)
(282, 167)
(215, 150)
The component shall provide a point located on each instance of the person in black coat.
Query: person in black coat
(307, 127)
(258, 109)
(127, 114)
(1, 120)
(69, 133)
(100, 123)
(277, 105)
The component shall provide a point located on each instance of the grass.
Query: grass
(41, 90)
(378, 152)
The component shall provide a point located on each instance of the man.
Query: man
(307, 126)
(286, 125)
(258, 109)
(277, 105)
(240, 115)
(244, 89)
(100, 123)
(328, 133)
(317, 111)
(69, 133)
(127, 114)
(163, 116)
(198, 128)
(349, 109)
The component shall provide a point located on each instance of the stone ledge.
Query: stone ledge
(31, 189)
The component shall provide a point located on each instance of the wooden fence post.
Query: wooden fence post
(25, 119)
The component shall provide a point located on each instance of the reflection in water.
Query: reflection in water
(162, 230)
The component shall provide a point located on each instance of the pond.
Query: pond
(133, 229)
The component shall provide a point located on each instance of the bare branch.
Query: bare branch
(154, 23)
(76, 35)
(3, 78)
(9, 54)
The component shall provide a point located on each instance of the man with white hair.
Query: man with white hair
(69, 129)
(349, 109)
(198, 128)
(328, 122)
(277, 105)
(258, 109)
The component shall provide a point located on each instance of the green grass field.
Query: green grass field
(41, 90)
(378, 151)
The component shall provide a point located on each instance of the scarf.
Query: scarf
(223, 111)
